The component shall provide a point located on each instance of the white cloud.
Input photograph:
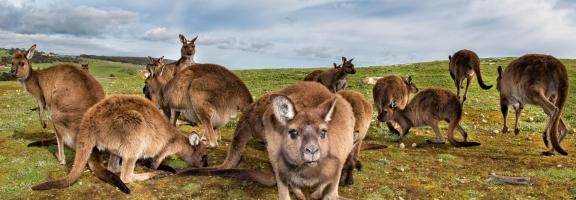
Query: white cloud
(160, 34)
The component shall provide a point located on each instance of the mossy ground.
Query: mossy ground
(423, 172)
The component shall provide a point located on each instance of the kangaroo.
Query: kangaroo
(209, 94)
(168, 71)
(334, 79)
(392, 89)
(463, 65)
(429, 107)
(129, 127)
(63, 89)
(362, 110)
(540, 80)
(308, 133)
(85, 68)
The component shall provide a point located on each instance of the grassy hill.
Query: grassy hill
(423, 172)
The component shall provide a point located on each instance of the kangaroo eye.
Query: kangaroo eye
(293, 133)
(323, 133)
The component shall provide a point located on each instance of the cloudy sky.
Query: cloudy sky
(293, 33)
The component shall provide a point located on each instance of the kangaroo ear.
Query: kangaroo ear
(326, 109)
(343, 59)
(150, 59)
(161, 59)
(393, 103)
(409, 80)
(350, 61)
(194, 40)
(499, 71)
(182, 39)
(194, 139)
(283, 108)
(336, 66)
(30, 52)
(449, 57)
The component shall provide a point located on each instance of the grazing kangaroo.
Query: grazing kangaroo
(208, 94)
(463, 65)
(129, 127)
(63, 89)
(85, 68)
(334, 79)
(539, 80)
(429, 107)
(392, 89)
(362, 110)
(167, 71)
(308, 133)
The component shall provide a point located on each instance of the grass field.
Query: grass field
(423, 172)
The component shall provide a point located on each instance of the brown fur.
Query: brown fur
(63, 89)
(392, 89)
(429, 107)
(130, 128)
(334, 79)
(463, 65)
(539, 80)
(168, 71)
(295, 136)
(208, 94)
(363, 116)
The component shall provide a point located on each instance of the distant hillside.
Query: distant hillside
(132, 60)
(39, 57)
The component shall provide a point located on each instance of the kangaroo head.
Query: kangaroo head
(196, 152)
(152, 83)
(21, 63)
(387, 112)
(499, 79)
(305, 133)
(85, 67)
(347, 66)
(410, 84)
(188, 47)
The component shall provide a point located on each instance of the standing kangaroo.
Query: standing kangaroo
(63, 89)
(168, 71)
(129, 127)
(334, 79)
(208, 94)
(85, 68)
(392, 89)
(362, 110)
(309, 134)
(539, 80)
(429, 107)
(463, 65)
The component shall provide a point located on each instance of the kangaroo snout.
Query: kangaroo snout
(13, 73)
(311, 154)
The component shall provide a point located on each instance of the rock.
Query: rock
(465, 113)
(529, 138)
(414, 145)
(370, 80)
(402, 146)
(496, 131)
(482, 115)
(484, 121)
(530, 119)
(559, 166)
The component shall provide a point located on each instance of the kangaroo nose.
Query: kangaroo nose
(381, 115)
(311, 149)
(13, 72)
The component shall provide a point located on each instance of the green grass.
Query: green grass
(424, 172)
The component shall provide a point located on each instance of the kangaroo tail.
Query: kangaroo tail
(104, 174)
(366, 146)
(83, 152)
(264, 178)
(479, 77)
(562, 95)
